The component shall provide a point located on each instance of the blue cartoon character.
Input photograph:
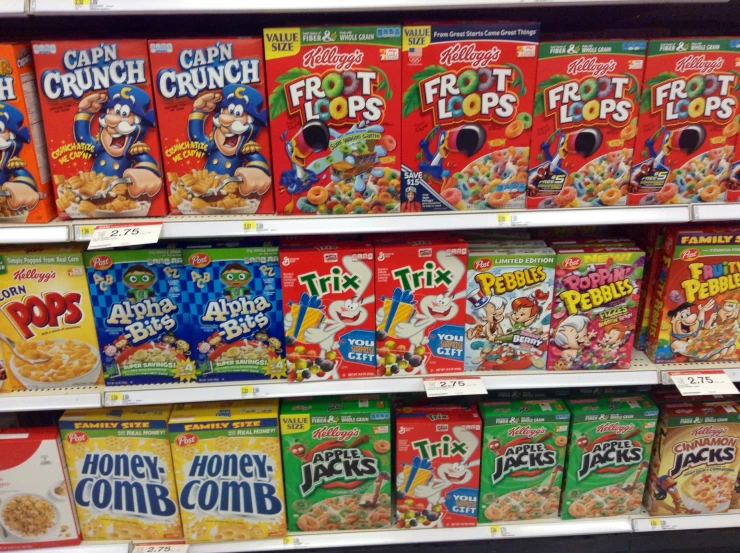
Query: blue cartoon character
(16, 183)
(467, 139)
(687, 139)
(312, 137)
(583, 142)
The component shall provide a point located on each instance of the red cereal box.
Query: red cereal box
(335, 118)
(585, 122)
(467, 111)
(212, 115)
(101, 131)
(733, 185)
(420, 307)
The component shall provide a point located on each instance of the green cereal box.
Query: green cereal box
(523, 459)
(608, 456)
(337, 462)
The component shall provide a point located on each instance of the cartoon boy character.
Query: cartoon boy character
(573, 336)
(526, 310)
(16, 183)
(140, 280)
(614, 336)
(410, 205)
(686, 322)
(489, 309)
(236, 277)
(274, 344)
(183, 347)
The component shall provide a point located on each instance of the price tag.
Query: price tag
(84, 232)
(259, 227)
(124, 234)
(116, 399)
(251, 392)
(161, 548)
(658, 524)
(465, 386)
(701, 383)
(501, 532)
(250, 226)
(504, 219)
(293, 541)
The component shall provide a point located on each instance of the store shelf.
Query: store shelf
(12, 8)
(715, 212)
(732, 369)
(53, 232)
(88, 547)
(645, 523)
(49, 400)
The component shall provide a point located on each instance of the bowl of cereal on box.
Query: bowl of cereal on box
(66, 363)
(29, 517)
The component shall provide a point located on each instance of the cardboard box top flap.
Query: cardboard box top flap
(639, 405)
(226, 252)
(349, 246)
(158, 414)
(628, 46)
(433, 414)
(545, 409)
(498, 252)
(336, 405)
(215, 411)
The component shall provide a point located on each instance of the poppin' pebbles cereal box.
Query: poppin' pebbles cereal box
(467, 111)
(585, 122)
(212, 115)
(120, 466)
(335, 118)
(101, 131)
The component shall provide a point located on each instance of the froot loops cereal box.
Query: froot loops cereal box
(335, 118)
(228, 470)
(585, 121)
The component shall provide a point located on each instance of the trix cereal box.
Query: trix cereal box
(437, 466)
(101, 132)
(328, 302)
(608, 455)
(212, 115)
(46, 311)
(121, 471)
(335, 118)
(337, 455)
(228, 470)
(687, 126)
(523, 459)
(585, 122)
(467, 111)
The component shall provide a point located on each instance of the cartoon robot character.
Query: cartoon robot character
(490, 310)
(686, 322)
(16, 182)
(236, 278)
(573, 336)
(140, 279)
(467, 139)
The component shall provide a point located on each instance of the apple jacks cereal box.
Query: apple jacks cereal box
(101, 132)
(467, 111)
(228, 470)
(46, 311)
(212, 115)
(121, 470)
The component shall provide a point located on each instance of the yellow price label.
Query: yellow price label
(115, 398)
(85, 231)
(503, 218)
(250, 226)
(495, 530)
(81, 2)
(247, 391)
(288, 540)
(654, 522)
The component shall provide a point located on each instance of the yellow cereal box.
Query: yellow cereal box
(46, 318)
(228, 470)
(120, 466)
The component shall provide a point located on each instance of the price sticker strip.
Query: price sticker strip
(124, 234)
(465, 386)
(161, 548)
(699, 383)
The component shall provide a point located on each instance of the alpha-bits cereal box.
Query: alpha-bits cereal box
(212, 117)
(101, 131)
(337, 458)
(46, 311)
(35, 505)
(120, 466)
(687, 127)
(467, 108)
(608, 455)
(523, 459)
(228, 470)
(585, 121)
(437, 466)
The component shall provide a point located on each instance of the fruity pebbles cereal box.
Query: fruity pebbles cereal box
(688, 122)
(608, 455)
(101, 132)
(523, 459)
(437, 466)
(335, 118)
(46, 310)
(228, 470)
(467, 111)
(337, 456)
(120, 465)
(585, 122)
(212, 116)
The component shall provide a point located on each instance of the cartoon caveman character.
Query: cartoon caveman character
(489, 309)
(686, 324)
(16, 183)
(729, 311)
(573, 336)
(526, 310)
(236, 277)
(140, 280)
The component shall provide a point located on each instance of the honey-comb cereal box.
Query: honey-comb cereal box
(585, 121)
(212, 118)
(608, 455)
(46, 310)
(337, 460)
(228, 470)
(120, 465)
(335, 118)
(467, 108)
(101, 130)
(523, 459)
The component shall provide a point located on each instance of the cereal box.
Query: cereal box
(46, 311)
(467, 111)
(101, 130)
(523, 459)
(687, 127)
(608, 455)
(585, 122)
(120, 466)
(335, 118)
(212, 116)
(437, 466)
(35, 505)
(507, 324)
(337, 455)
(733, 184)
(228, 470)
(650, 277)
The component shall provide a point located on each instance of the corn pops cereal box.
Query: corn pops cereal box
(337, 459)
(47, 313)
(228, 470)
(608, 455)
(120, 465)
(101, 131)
(335, 118)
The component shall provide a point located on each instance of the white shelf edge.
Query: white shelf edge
(642, 523)
(13, 8)
(714, 212)
(53, 232)
(88, 547)
(50, 400)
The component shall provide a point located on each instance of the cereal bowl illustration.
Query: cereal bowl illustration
(29, 517)
(58, 363)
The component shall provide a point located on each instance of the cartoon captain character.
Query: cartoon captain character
(16, 183)
(140, 280)
(236, 277)
(490, 310)
(686, 322)
(573, 336)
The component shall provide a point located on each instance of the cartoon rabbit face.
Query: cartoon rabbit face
(348, 312)
(454, 473)
(440, 307)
